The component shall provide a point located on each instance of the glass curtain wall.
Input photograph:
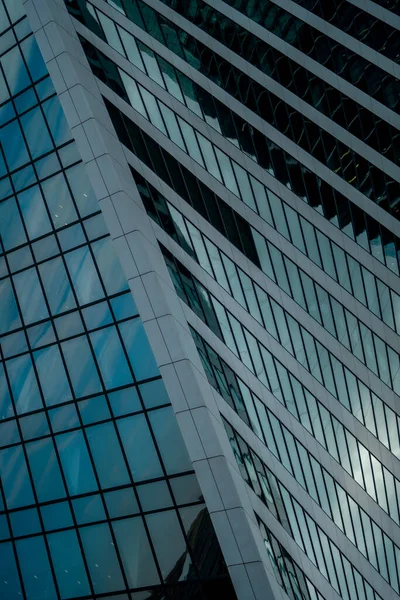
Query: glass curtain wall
(98, 497)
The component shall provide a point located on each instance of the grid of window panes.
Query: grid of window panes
(288, 574)
(173, 185)
(305, 184)
(339, 59)
(381, 421)
(322, 488)
(321, 145)
(358, 23)
(369, 348)
(97, 492)
(215, 113)
(276, 378)
(280, 324)
(299, 524)
(323, 366)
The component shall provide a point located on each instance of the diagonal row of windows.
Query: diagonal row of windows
(354, 522)
(377, 547)
(236, 130)
(227, 221)
(287, 573)
(211, 158)
(355, 21)
(357, 280)
(315, 91)
(248, 294)
(244, 186)
(321, 145)
(157, 157)
(291, 335)
(313, 541)
(273, 210)
(342, 61)
(321, 424)
(334, 206)
(140, 143)
(278, 380)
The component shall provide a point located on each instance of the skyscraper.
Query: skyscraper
(199, 299)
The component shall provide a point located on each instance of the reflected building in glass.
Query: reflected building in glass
(199, 300)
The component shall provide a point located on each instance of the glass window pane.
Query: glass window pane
(84, 275)
(110, 31)
(169, 440)
(56, 120)
(35, 568)
(136, 553)
(111, 358)
(139, 350)
(59, 201)
(15, 478)
(52, 376)
(76, 463)
(33, 122)
(139, 448)
(23, 384)
(102, 559)
(169, 543)
(34, 212)
(8, 308)
(11, 229)
(36, 65)
(81, 367)
(109, 266)
(107, 455)
(57, 287)
(30, 296)
(68, 564)
(15, 70)
(45, 470)
(10, 586)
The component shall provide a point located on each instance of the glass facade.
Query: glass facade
(98, 497)
(262, 138)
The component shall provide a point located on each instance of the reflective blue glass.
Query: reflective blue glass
(13, 143)
(102, 560)
(10, 586)
(8, 307)
(68, 564)
(56, 516)
(110, 357)
(23, 384)
(35, 568)
(11, 229)
(107, 455)
(32, 122)
(25, 522)
(84, 276)
(88, 509)
(52, 376)
(142, 361)
(15, 479)
(15, 71)
(45, 470)
(75, 362)
(139, 448)
(136, 553)
(34, 212)
(81, 366)
(75, 462)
